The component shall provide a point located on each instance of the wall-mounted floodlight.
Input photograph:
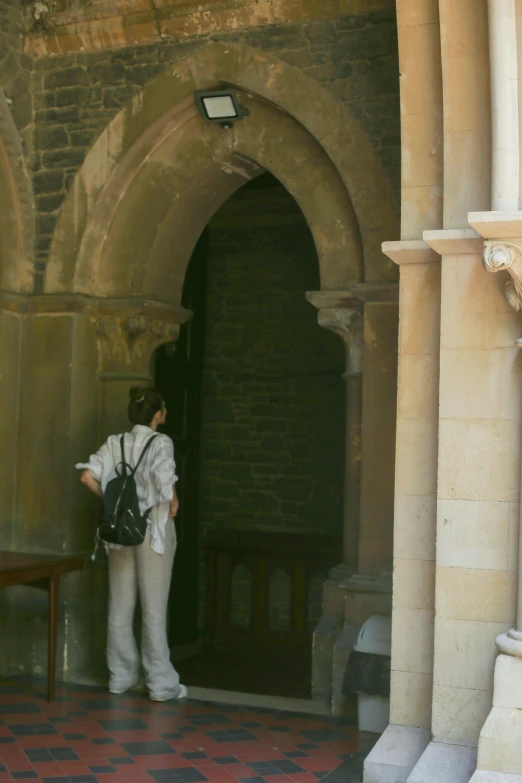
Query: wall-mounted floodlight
(220, 106)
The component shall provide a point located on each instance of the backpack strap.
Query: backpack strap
(145, 449)
(124, 464)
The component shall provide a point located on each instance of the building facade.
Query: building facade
(112, 183)
(406, 212)
(455, 661)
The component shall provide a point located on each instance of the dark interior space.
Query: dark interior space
(256, 407)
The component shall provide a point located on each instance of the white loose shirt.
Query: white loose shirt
(154, 478)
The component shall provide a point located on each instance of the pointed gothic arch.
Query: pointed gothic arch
(157, 174)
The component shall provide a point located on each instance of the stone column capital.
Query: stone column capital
(502, 232)
(343, 321)
(506, 256)
(341, 313)
(128, 332)
(126, 344)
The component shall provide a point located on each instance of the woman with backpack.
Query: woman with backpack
(135, 476)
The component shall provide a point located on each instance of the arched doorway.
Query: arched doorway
(156, 176)
(257, 407)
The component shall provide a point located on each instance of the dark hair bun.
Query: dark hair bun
(144, 403)
(137, 394)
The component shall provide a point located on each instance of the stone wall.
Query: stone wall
(16, 70)
(77, 95)
(272, 438)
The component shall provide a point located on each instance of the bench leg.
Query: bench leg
(54, 600)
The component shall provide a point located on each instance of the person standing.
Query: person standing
(145, 569)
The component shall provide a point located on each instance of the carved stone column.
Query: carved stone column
(128, 332)
(506, 256)
(347, 323)
(344, 318)
(500, 742)
(361, 316)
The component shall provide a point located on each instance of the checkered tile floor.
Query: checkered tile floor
(88, 736)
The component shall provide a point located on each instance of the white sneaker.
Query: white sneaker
(119, 691)
(180, 692)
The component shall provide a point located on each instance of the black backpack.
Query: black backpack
(121, 521)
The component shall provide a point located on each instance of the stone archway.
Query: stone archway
(17, 212)
(296, 130)
(158, 173)
(124, 237)
(149, 217)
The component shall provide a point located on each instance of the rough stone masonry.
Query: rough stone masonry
(76, 95)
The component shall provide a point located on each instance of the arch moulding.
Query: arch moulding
(158, 152)
(17, 210)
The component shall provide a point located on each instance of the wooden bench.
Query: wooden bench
(44, 572)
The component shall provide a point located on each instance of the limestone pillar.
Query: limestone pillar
(473, 584)
(471, 493)
(405, 739)
(500, 743)
(505, 128)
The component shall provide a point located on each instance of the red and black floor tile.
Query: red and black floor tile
(88, 736)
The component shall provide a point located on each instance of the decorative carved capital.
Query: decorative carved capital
(348, 324)
(129, 331)
(343, 321)
(127, 344)
(504, 256)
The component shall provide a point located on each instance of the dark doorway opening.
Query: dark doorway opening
(256, 411)
(178, 373)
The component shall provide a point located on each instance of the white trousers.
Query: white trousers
(133, 569)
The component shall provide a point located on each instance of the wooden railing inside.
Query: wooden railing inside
(264, 589)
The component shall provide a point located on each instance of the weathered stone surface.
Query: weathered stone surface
(66, 77)
(108, 73)
(51, 137)
(81, 138)
(63, 158)
(48, 182)
(321, 33)
(45, 224)
(115, 97)
(356, 56)
(49, 203)
(143, 73)
(15, 67)
(274, 38)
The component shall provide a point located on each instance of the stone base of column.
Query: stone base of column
(395, 754)
(348, 601)
(326, 633)
(445, 763)
(500, 743)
